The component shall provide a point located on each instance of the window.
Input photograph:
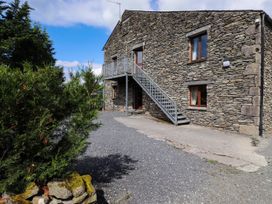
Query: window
(198, 47)
(139, 56)
(198, 95)
(114, 92)
(114, 59)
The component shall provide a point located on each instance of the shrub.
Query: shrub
(44, 123)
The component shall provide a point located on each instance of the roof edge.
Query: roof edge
(200, 10)
(111, 35)
(181, 11)
(118, 23)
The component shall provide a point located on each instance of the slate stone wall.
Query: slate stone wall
(233, 93)
(152, 108)
(118, 103)
(268, 80)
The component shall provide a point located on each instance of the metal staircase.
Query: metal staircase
(165, 103)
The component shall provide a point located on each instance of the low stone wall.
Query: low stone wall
(75, 189)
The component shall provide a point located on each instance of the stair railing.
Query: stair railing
(139, 73)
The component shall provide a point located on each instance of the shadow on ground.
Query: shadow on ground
(105, 169)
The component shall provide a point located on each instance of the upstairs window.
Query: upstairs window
(114, 59)
(139, 56)
(198, 95)
(198, 47)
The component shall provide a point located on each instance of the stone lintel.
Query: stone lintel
(197, 31)
(191, 83)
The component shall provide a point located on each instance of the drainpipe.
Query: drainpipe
(103, 108)
(126, 93)
(262, 77)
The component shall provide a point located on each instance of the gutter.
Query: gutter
(262, 76)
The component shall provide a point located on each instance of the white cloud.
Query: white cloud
(214, 4)
(73, 66)
(97, 68)
(89, 12)
(68, 64)
(102, 13)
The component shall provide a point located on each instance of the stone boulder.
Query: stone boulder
(5, 199)
(18, 199)
(59, 189)
(57, 201)
(80, 199)
(40, 200)
(31, 190)
(76, 184)
(88, 184)
(89, 189)
(90, 199)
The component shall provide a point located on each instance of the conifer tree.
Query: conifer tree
(21, 41)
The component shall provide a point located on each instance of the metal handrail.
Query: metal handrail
(153, 82)
(125, 66)
(139, 71)
(120, 67)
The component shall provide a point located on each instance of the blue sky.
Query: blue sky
(79, 28)
(78, 42)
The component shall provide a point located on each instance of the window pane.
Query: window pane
(198, 95)
(194, 98)
(139, 57)
(204, 46)
(203, 95)
(114, 62)
(195, 48)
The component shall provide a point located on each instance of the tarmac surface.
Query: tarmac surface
(130, 166)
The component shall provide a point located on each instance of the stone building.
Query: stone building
(210, 68)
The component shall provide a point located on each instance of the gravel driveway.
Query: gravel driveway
(128, 167)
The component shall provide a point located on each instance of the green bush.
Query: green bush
(44, 123)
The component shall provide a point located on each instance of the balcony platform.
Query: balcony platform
(114, 77)
(119, 68)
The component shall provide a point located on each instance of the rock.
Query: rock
(31, 190)
(56, 201)
(45, 191)
(59, 189)
(88, 184)
(90, 199)
(76, 184)
(80, 198)
(40, 200)
(5, 199)
(18, 199)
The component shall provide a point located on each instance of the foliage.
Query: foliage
(20, 40)
(44, 123)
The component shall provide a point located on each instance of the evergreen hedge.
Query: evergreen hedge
(44, 122)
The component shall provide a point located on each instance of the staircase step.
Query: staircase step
(157, 94)
(181, 117)
(168, 106)
(171, 110)
(183, 122)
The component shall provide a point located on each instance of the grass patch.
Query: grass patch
(211, 161)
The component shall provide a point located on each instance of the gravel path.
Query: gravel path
(129, 167)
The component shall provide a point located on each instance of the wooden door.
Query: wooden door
(139, 58)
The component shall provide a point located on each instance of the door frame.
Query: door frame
(136, 51)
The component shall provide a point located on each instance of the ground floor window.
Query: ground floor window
(198, 95)
(114, 92)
